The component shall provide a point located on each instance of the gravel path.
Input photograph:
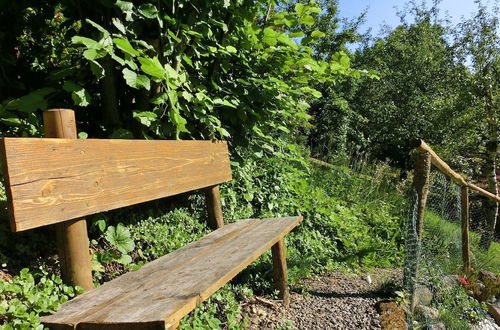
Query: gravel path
(333, 301)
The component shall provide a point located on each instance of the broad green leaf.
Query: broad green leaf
(145, 117)
(300, 9)
(152, 66)
(317, 34)
(79, 95)
(34, 100)
(125, 45)
(134, 80)
(120, 238)
(307, 19)
(231, 49)
(270, 37)
(98, 27)
(89, 43)
(97, 69)
(119, 25)
(148, 10)
(83, 135)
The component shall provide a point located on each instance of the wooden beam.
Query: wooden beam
(280, 270)
(464, 199)
(214, 206)
(71, 236)
(439, 163)
(54, 180)
(420, 145)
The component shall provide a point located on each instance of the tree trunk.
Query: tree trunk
(111, 114)
(490, 163)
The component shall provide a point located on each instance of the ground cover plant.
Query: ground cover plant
(334, 234)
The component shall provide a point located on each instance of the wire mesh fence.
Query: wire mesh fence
(434, 264)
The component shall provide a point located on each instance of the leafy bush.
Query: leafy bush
(28, 295)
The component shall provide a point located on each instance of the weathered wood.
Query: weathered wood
(439, 163)
(53, 180)
(280, 270)
(446, 169)
(421, 182)
(71, 236)
(214, 206)
(464, 200)
(170, 287)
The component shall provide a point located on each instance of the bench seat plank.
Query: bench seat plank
(163, 291)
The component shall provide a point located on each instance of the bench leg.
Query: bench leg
(280, 270)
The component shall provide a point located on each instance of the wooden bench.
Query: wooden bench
(60, 180)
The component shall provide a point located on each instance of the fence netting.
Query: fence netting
(433, 268)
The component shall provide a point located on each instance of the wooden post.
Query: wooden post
(464, 194)
(421, 182)
(215, 218)
(72, 238)
(280, 270)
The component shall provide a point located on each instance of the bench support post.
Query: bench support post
(215, 218)
(72, 238)
(280, 270)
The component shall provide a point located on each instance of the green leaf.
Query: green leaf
(145, 117)
(34, 100)
(97, 69)
(317, 34)
(125, 45)
(89, 43)
(98, 27)
(136, 81)
(120, 238)
(231, 49)
(300, 9)
(152, 66)
(270, 37)
(83, 135)
(119, 25)
(148, 10)
(79, 95)
(307, 19)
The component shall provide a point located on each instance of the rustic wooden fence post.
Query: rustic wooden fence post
(421, 182)
(72, 238)
(464, 194)
(215, 218)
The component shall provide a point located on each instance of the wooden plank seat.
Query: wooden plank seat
(163, 291)
(58, 180)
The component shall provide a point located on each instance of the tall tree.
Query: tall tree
(478, 42)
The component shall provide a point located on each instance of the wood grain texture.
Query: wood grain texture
(53, 180)
(214, 206)
(280, 270)
(71, 236)
(170, 287)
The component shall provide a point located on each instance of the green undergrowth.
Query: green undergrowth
(444, 241)
(349, 223)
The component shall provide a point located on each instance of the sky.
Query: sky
(383, 11)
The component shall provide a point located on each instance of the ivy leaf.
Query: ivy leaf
(148, 10)
(79, 95)
(120, 238)
(152, 66)
(125, 45)
(136, 81)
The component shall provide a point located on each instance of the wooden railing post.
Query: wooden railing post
(421, 182)
(464, 194)
(72, 238)
(215, 218)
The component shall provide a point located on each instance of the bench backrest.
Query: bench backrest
(50, 180)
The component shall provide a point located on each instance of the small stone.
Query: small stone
(428, 313)
(437, 326)
(423, 295)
